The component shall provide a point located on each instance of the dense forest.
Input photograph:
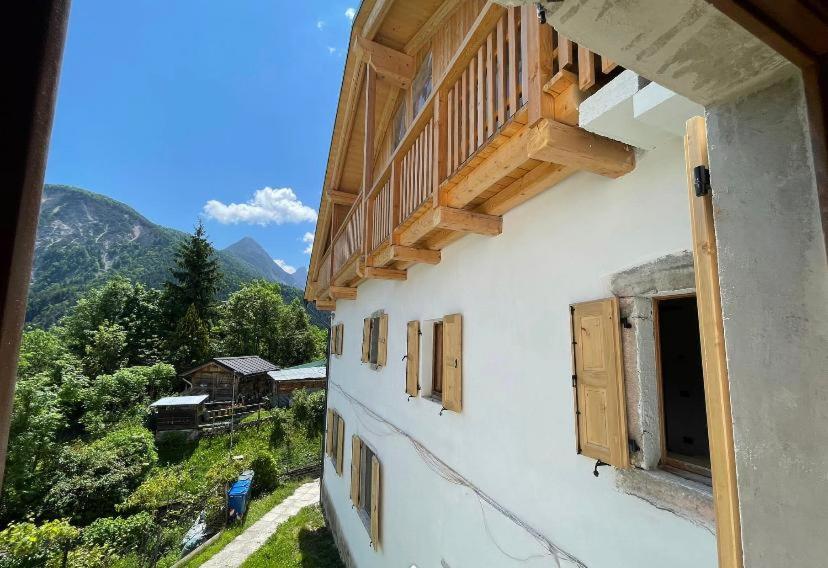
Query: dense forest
(86, 483)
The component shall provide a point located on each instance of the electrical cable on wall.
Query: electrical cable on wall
(452, 476)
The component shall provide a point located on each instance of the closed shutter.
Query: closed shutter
(366, 339)
(382, 343)
(453, 362)
(355, 450)
(340, 338)
(412, 358)
(340, 445)
(329, 434)
(599, 382)
(375, 502)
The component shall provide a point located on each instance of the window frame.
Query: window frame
(337, 424)
(668, 462)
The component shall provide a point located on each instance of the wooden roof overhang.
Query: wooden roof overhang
(469, 155)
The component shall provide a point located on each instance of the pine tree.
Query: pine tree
(190, 344)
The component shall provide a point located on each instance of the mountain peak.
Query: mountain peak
(250, 251)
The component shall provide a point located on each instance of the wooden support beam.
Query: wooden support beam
(341, 197)
(382, 273)
(511, 155)
(375, 18)
(412, 254)
(325, 305)
(538, 180)
(563, 87)
(538, 66)
(552, 141)
(343, 293)
(467, 222)
(391, 65)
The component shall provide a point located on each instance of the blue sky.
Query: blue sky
(213, 108)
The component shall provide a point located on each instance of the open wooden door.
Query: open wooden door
(714, 363)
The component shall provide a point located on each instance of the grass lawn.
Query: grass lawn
(301, 542)
(257, 509)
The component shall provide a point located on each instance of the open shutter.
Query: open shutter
(340, 444)
(355, 450)
(453, 362)
(366, 339)
(412, 358)
(382, 344)
(329, 434)
(375, 502)
(340, 338)
(599, 382)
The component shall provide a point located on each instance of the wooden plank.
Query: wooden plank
(565, 56)
(490, 82)
(528, 18)
(501, 72)
(481, 27)
(375, 18)
(356, 452)
(383, 273)
(453, 362)
(343, 293)
(607, 65)
(455, 143)
(714, 360)
(390, 65)
(481, 94)
(368, 152)
(586, 68)
(325, 305)
(412, 358)
(375, 502)
(560, 82)
(523, 189)
(427, 30)
(504, 160)
(537, 67)
(467, 221)
(440, 144)
(412, 254)
(471, 110)
(337, 197)
(512, 81)
(464, 105)
(551, 141)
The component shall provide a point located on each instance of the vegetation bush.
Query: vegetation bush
(266, 471)
(25, 545)
(309, 409)
(122, 535)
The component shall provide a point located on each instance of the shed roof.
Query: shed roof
(299, 372)
(180, 400)
(243, 365)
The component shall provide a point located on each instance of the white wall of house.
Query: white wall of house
(515, 438)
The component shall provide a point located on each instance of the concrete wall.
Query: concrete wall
(774, 282)
(515, 438)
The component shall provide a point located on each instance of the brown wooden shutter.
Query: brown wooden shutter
(329, 434)
(366, 339)
(340, 338)
(340, 445)
(375, 502)
(599, 382)
(412, 358)
(355, 451)
(382, 344)
(453, 362)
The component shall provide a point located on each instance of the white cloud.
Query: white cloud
(308, 238)
(320, 24)
(267, 206)
(284, 265)
(350, 13)
(331, 50)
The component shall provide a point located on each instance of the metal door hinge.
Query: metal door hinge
(701, 180)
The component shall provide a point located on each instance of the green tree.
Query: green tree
(250, 322)
(106, 350)
(297, 341)
(24, 545)
(190, 343)
(195, 278)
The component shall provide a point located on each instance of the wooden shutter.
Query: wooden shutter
(412, 358)
(340, 445)
(355, 451)
(453, 362)
(329, 434)
(382, 344)
(375, 502)
(340, 338)
(599, 382)
(366, 339)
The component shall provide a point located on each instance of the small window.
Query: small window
(441, 362)
(685, 445)
(375, 339)
(335, 440)
(437, 361)
(365, 469)
(375, 333)
(421, 86)
(337, 332)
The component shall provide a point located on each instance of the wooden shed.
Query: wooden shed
(178, 412)
(311, 375)
(231, 378)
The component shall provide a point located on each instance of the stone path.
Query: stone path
(248, 542)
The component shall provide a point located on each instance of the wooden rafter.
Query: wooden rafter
(375, 18)
(382, 273)
(391, 65)
(325, 305)
(343, 293)
(337, 197)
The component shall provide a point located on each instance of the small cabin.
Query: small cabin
(178, 412)
(225, 379)
(311, 375)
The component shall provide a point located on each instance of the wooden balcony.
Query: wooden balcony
(499, 126)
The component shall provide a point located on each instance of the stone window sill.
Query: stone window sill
(688, 499)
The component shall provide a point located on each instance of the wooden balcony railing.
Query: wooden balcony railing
(508, 71)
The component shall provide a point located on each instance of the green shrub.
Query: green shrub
(266, 471)
(278, 426)
(309, 409)
(120, 534)
(25, 545)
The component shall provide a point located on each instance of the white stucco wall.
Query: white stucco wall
(515, 438)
